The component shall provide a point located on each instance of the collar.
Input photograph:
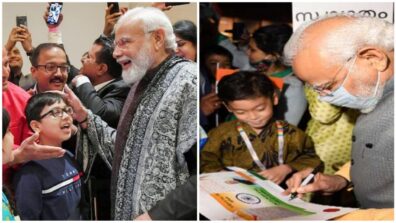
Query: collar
(283, 73)
(388, 87)
(98, 87)
(155, 69)
(264, 132)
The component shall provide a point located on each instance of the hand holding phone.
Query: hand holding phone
(21, 20)
(54, 12)
(115, 8)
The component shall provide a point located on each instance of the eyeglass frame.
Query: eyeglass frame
(325, 89)
(127, 40)
(60, 67)
(52, 112)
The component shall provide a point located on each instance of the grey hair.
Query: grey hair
(345, 41)
(152, 19)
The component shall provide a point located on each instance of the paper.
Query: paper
(244, 195)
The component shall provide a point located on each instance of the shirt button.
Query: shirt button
(369, 145)
(352, 161)
(353, 138)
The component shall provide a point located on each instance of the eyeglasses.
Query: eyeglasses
(52, 68)
(123, 42)
(326, 88)
(58, 112)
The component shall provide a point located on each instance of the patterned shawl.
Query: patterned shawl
(151, 162)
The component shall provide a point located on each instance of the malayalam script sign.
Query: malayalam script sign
(303, 12)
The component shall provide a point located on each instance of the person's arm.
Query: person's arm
(54, 33)
(111, 20)
(210, 158)
(179, 204)
(28, 197)
(13, 38)
(26, 41)
(110, 106)
(30, 150)
(344, 171)
(101, 137)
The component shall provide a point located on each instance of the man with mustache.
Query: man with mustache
(153, 150)
(49, 67)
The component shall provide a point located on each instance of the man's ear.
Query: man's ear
(375, 57)
(275, 98)
(35, 125)
(159, 39)
(33, 71)
(103, 69)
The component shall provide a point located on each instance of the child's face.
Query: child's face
(255, 112)
(8, 142)
(214, 59)
(55, 126)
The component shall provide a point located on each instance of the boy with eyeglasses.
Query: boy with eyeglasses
(49, 189)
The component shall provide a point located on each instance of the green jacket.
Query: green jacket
(225, 147)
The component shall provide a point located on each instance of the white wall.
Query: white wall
(82, 24)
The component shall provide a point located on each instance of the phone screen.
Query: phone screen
(115, 8)
(54, 12)
(21, 20)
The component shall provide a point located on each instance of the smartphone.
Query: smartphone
(54, 12)
(176, 3)
(21, 20)
(116, 7)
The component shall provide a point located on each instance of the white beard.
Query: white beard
(139, 67)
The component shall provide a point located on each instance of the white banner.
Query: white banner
(303, 11)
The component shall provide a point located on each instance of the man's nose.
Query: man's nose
(117, 53)
(58, 72)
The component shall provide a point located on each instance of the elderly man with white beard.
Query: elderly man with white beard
(156, 135)
(349, 61)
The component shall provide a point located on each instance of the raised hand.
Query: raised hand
(30, 150)
(80, 112)
(111, 19)
(45, 17)
(277, 174)
(14, 37)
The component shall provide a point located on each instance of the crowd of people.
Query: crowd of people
(116, 139)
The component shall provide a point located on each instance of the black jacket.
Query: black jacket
(107, 102)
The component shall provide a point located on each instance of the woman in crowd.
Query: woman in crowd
(265, 51)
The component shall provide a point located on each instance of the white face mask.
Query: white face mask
(341, 97)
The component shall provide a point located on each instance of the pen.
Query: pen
(306, 181)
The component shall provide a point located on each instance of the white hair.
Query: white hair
(152, 19)
(345, 41)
